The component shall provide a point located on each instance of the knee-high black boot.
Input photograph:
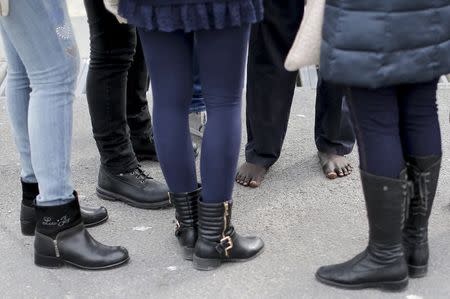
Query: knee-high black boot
(382, 264)
(61, 238)
(186, 215)
(424, 172)
(218, 241)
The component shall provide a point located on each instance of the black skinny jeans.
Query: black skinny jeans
(117, 82)
(395, 122)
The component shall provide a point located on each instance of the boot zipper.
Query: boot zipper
(55, 243)
(225, 218)
(225, 225)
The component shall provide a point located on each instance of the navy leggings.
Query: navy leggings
(395, 122)
(221, 59)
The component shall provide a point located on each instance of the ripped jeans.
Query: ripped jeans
(43, 64)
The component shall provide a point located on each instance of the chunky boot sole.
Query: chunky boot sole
(203, 264)
(417, 271)
(393, 286)
(55, 262)
(111, 196)
(28, 227)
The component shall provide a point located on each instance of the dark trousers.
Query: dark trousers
(221, 61)
(116, 86)
(333, 129)
(270, 89)
(395, 122)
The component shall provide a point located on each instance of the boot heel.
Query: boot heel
(206, 264)
(417, 271)
(47, 261)
(395, 286)
(27, 227)
(188, 253)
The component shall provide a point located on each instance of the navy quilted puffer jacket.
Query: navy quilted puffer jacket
(377, 43)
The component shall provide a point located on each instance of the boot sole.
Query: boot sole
(393, 286)
(203, 264)
(111, 196)
(28, 227)
(417, 271)
(54, 263)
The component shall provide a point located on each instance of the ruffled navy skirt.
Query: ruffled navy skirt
(191, 17)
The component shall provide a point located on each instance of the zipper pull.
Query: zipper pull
(55, 243)
(226, 208)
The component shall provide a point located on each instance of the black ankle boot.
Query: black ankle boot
(382, 264)
(424, 172)
(187, 220)
(218, 241)
(61, 238)
(135, 188)
(91, 216)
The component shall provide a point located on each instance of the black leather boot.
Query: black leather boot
(424, 172)
(91, 216)
(135, 188)
(218, 242)
(382, 264)
(61, 238)
(186, 215)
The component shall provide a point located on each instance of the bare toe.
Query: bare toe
(331, 175)
(255, 183)
(345, 171)
(251, 175)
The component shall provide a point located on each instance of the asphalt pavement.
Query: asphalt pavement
(305, 220)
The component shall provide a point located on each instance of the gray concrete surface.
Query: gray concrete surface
(305, 220)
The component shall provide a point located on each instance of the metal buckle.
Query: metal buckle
(177, 228)
(229, 242)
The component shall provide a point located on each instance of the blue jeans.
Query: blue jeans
(43, 66)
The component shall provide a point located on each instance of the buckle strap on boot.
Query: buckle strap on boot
(424, 173)
(226, 244)
(408, 193)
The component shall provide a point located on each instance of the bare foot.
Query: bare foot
(334, 166)
(250, 175)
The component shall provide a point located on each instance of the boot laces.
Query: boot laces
(140, 174)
